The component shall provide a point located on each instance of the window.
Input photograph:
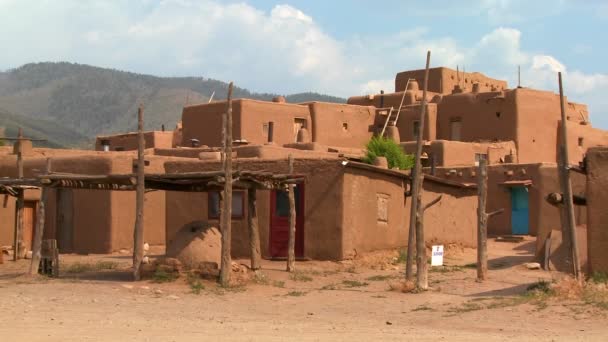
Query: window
(119, 148)
(455, 128)
(297, 124)
(382, 200)
(416, 129)
(345, 126)
(580, 141)
(238, 203)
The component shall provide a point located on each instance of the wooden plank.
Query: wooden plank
(138, 232)
(291, 243)
(226, 215)
(417, 178)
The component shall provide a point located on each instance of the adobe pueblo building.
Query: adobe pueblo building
(344, 207)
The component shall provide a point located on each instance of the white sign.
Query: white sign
(437, 256)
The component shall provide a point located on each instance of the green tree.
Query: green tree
(383, 147)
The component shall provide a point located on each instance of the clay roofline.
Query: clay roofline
(368, 167)
(129, 133)
(449, 182)
(241, 99)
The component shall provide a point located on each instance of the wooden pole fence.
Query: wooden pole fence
(569, 226)
(226, 215)
(417, 178)
(138, 232)
(291, 254)
(254, 233)
(37, 245)
(482, 219)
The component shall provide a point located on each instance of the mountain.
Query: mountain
(54, 134)
(66, 102)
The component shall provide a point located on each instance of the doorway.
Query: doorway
(279, 222)
(29, 223)
(64, 221)
(519, 211)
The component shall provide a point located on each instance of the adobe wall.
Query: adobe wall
(255, 114)
(581, 137)
(341, 125)
(128, 141)
(323, 191)
(7, 220)
(543, 217)
(363, 230)
(454, 219)
(597, 197)
(411, 114)
(204, 122)
(483, 116)
(456, 153)
(442, 80)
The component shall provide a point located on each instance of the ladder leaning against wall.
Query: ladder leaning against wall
(393, 117)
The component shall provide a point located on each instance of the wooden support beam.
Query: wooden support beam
(254, 233)
(18, 231)
(417, 178)
(226, 215)
(482, 220)
(291, 245)
(566, 186)
(37, 245)
(138, 233)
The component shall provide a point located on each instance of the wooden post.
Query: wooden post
(482, 220)
(291, 245)
(40, 225)
(566, 185)
(422, 281)
(417, 179)
(18, 231)
(138, 233)
(254, 234)
(226, 215)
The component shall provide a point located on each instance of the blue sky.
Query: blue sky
(337, 47)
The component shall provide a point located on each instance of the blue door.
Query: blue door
(519, 211)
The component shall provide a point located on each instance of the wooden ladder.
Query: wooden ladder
(393, 117)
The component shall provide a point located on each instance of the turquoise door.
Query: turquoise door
(519, 211)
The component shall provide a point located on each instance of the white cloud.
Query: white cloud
(283, 50)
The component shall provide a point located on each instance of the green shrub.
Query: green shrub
(383, 147)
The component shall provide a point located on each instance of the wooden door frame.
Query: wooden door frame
(300, 222)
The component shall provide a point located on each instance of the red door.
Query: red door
(279, 222)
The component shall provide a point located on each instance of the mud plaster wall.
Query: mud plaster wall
(454, 219)
(322, 210)
(363, 230)
(482, 118)
(542, 216)
(255, 114)
(411, 114)
(442, 80)
(102, 221)
(454, 153)
(204, 122)
(581, 138)
(597, 197)
(341, 125)
(128, 142)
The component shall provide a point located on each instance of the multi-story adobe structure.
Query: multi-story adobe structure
(347, 208)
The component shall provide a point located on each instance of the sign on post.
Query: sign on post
(437, 256)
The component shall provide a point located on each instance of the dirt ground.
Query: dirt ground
(94, 300)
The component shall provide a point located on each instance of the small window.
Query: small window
(238, 203)
(416, 129)
(498, 114)
(345, 126)
(382, 200)
(580, 141)
(119, 148)
(455, 129)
